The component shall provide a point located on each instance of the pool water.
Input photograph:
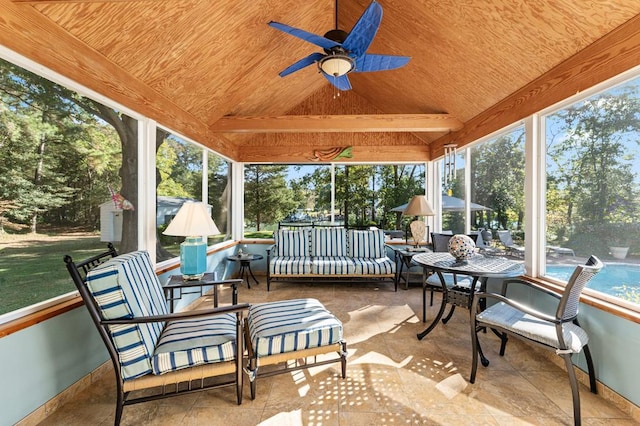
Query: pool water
(614, 279)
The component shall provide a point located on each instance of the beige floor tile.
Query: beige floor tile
(392, 377)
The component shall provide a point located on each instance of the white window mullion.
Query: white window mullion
(534, 189)
(147, 186)
(237, 201)
(467, 190)
(205, 176)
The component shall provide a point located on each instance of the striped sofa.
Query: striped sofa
(335, 253)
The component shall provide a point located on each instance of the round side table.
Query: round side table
(245, 266)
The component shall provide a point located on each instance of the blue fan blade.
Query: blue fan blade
(368, 62)
(325, 43)
(342, 82)
(304, 62)
(363, 32)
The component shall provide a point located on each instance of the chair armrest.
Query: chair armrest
(513, 303)
(180, 315)
(269, 249)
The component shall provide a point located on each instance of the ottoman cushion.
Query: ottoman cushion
(291, 325)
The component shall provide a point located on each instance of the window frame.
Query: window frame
(536, 267)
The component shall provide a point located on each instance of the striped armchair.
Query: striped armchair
(150, 347)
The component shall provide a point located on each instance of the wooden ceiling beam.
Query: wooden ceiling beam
(338, 123)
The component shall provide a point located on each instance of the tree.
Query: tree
(590, 155)
(398, 183)
(497, 170)
(22, 89)
(266, 196)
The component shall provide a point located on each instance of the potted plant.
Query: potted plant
(618, 239)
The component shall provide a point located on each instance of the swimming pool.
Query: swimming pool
(614, 279)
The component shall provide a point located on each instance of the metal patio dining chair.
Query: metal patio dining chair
(558, 331)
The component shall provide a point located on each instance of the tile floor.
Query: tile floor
(392, 378)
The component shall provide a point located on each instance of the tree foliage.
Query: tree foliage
(497, 173)
(267, 199)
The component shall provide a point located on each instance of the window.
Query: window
(497, 184)
(295, 195)
(219, 195)
(285, 195)
(63, 189)
(453, 194)
(593, 188)
(179, 165)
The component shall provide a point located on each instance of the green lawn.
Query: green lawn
(32, 269)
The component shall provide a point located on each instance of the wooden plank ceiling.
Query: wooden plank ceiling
(207, 69)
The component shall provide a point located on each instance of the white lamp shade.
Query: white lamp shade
(419, 206)
(192, 220)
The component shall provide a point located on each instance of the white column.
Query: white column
(146, 207)
(237, 201)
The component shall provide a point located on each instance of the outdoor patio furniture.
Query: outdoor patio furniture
(507, 241)
(289, 335)
(556, 250)
(485, 248)
(558, 331)
(335, 254)
(441, 244)
(161, 353)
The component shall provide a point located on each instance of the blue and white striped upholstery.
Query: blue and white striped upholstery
(368, 244)
(379, 266)
(291, 325)
(328, 242)
(127, 287)
(518, 322)
(290, 265)
(334, 265)
(195, 341)
(292, 243)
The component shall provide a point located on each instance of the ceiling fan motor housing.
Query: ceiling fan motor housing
(336, 35)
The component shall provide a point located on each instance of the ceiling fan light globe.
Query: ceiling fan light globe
(336, 65)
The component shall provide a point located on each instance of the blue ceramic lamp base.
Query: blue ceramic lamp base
(193, 258)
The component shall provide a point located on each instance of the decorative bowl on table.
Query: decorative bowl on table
(461, 247)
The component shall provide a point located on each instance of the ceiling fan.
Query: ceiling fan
(344, 52)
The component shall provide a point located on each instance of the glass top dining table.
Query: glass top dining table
(478, 266)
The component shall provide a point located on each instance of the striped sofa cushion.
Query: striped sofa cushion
(368, 244)
(335, 265)
(198, 341)
(379, 266)
(328, 242)
(290, 325)
(290, 265)
(126, 287)
(292, 243)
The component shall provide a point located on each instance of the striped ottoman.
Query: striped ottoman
(292, 330)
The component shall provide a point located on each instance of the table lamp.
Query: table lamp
(418, 206)
(193, 222)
